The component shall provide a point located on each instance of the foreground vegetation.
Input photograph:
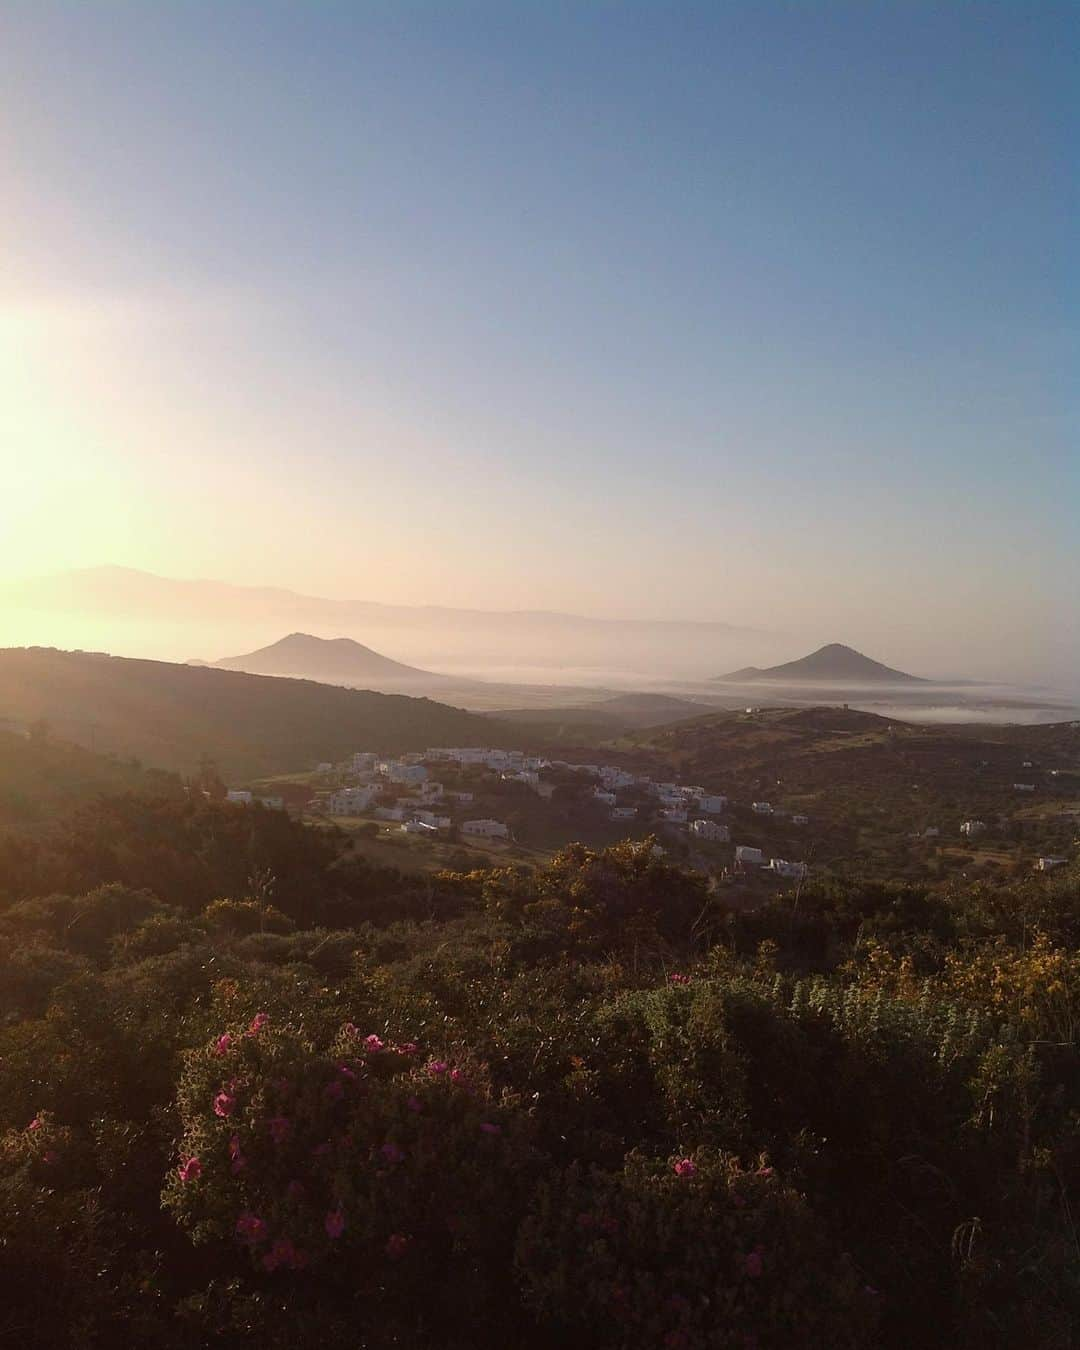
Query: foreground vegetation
(256, 1091)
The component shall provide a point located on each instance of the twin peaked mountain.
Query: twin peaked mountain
(301, 655)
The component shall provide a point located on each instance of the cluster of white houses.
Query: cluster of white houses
(426, 806)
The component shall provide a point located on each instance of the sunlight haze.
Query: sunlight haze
(763, 316)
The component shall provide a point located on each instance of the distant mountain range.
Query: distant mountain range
(173, 613)
(127, 591)
(331, 659)
(833, 664)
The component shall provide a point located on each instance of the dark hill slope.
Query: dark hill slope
(170, 715)
(43, 780)
(834, 663)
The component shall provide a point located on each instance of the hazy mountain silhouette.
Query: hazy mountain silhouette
(337, 659)
(834, 663)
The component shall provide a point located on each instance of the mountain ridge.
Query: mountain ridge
(169, 715)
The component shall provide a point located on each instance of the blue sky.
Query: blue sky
(756, 312)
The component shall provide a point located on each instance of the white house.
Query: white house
(351, 801)
(800, 820)
(711, 804)
(972, 828)
(607, 798)
(462, 798)
(622, 813)
(1024, 787)
(750, 857)
(239, 796)
(783, 868)
(430, 818)
(761, 808)
(418, 827)
(1049, 864)
(931, 832)
(324, 766)
(710, 830)
(613, 777)
(398, 771)
(674, 815)
(486, 829)
(364, 761)
(272, 803)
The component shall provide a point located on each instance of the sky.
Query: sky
(763, 313)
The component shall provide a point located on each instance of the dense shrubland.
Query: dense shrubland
(254, 1092)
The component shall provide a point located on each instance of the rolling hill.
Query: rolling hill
(43, 779)
(334, 659)
(169, 715)
(834, 663)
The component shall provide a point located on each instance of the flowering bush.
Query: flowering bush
(366, 1161)
(689, 1253)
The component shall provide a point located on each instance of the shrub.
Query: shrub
(368, 1165)
(692, 1253)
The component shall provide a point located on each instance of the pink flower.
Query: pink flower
(257, 1023)
(280, 1128)
(333, 1092)
(236, 1156)
(224, 1105)
(35, 1124)
(753, 1264)
(407, 1048)
(679, 979)
(456, 1076)
(414, 1104)
(373, 1043)
(489, 1128)
(396, 1246)
(346, 1072)
(349, 1028)
(686, 1167)
(334, 1223)
(436, 1067)
(190, 1170)
(295, 1190)
(221, 1045)
(391, 1152)
(50, 1156)
(765, 1172)
(250, 1228)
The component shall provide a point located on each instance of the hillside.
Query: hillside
(834, 663)
(170, 715)
(306, 657)
(41, 780)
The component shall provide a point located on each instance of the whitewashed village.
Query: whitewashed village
(419, 794)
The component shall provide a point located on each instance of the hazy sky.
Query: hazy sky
(754, 312)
